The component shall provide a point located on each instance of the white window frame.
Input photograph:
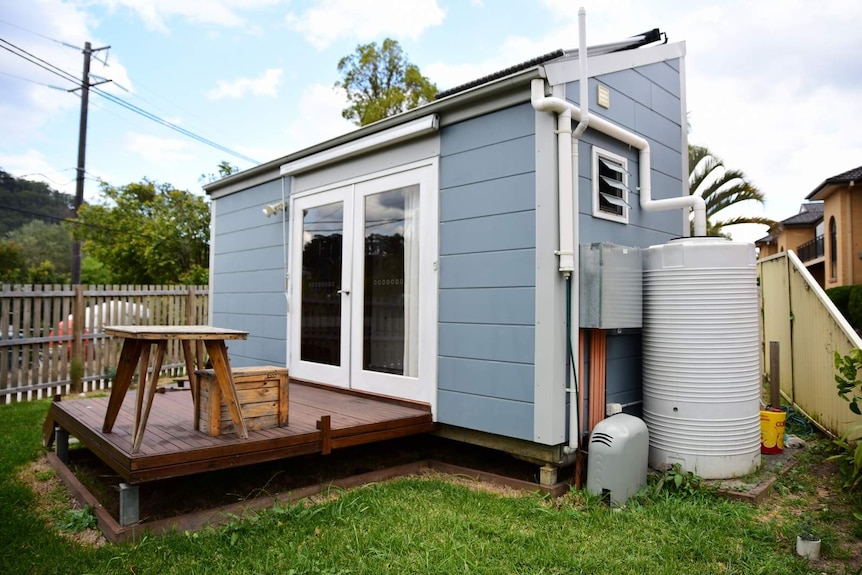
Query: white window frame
(598, 155)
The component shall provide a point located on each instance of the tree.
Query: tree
(147, 233)
(94, 272)
(225, 169)
(22, 201)
(381, 82)
(45, 242)
(721, 188)
(11, 262)
(45, 273)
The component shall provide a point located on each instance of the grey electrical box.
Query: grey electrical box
(611, 279)
(617, 463)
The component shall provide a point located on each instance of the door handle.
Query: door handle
(344, 291)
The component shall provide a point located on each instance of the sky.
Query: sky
(774, 87)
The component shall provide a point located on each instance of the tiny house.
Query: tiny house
(479, 254)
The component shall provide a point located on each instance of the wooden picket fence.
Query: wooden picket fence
(43, 327)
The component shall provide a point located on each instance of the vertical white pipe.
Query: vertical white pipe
(574, 334)
(583, 81)
(567, 177)
(568, 180)
(564, 191)
(696, 203)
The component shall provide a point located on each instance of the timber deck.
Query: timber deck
(321, 419)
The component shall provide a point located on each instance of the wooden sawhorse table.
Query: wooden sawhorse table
(137, 341)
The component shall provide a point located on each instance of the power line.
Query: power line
(60, 42)
(150, 116)
(24, 55)
(55, 182)
(33, 59)
(33, 81)
(34, 214)
(72, 221)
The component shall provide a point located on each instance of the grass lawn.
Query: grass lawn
(433, 524)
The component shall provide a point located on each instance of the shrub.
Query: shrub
(849, 386)
(854, 307)
(840, 296)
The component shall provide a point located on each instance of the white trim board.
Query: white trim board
(364, 145)
(566, 71)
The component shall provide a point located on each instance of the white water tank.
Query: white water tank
(701, 356)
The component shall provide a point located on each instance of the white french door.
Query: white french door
(363, 285)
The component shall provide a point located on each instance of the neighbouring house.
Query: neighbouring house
(420, 257)
(825, 233)
(802, 233)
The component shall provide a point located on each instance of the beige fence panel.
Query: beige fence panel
(37, 332)
(772, 274)
(817, 330)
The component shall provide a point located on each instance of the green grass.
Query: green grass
(418, 525)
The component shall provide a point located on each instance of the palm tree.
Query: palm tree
(721, 188)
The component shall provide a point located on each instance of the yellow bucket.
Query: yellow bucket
(772, 423)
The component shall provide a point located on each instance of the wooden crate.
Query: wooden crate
(263, 399)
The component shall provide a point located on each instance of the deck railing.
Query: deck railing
(811, 250)
(798, 314)
(43, 327)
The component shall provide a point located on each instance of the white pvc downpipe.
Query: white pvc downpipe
(544, 103)
(567, 192)
(567, 167)
(696, 203)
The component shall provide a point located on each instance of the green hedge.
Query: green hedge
(840, 296)
(848, 300)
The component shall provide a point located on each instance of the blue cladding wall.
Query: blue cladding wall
(645, 100)
(487, 273)
(248, 279)
(623, 371)
(487, 250)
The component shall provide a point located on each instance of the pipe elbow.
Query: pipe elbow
(582, 126)
(542, 103)
(699, 209)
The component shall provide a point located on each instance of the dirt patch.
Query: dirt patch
(173, 497)
(812, 494)
(53, 501)
(472, 482)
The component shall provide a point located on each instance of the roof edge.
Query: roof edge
(850, 177)
(503, 84)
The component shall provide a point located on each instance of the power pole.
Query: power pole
(77, 323)
(82, 152)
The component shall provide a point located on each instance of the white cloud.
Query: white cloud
(155, 13)
(770, 101)
(264, 85)
(773, 106)
(318, 116)
(365, 20)
(159, 151)
(28, 104)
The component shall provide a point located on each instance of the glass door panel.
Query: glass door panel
(321, 259)
(390, 285)
(322, 263)
(393, 321)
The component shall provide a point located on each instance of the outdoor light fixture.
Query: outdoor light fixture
(272, 209)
